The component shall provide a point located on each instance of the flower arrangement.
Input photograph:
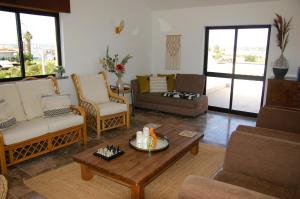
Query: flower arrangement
(283, 27)
(112, 64)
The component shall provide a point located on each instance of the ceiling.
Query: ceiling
(177, 4)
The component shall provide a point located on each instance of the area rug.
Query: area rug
(65, 182)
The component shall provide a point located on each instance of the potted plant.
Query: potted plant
(59, 71)
(112, 65)
(281, 65)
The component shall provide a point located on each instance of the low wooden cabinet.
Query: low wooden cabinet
(284, 93)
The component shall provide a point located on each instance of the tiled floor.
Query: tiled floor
(217, 128)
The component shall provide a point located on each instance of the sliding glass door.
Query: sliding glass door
(235, 66)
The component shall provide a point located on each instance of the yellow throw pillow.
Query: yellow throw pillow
(143, 83)
(170, 80)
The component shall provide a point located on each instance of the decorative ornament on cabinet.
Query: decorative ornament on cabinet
(281, 65)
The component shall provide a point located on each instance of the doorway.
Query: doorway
(235, 65)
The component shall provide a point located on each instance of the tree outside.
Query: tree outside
(33, 66)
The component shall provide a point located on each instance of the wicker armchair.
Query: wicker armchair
(104, 110)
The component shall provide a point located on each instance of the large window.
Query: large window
(29, 43)
(235, 65)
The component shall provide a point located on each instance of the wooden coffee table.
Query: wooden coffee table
(136, 169)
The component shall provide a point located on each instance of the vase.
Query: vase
(120, 83)
(58, 75)
(280, 67)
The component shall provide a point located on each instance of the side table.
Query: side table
(125, 90)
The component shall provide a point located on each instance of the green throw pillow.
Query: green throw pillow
(144, 83)
(170, 80)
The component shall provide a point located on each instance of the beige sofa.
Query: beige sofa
(260, 162)
(255, 166)
(34, 135)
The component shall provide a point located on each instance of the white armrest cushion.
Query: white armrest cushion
(10, 93)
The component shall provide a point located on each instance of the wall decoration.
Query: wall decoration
(283, 27)
(119, 28)
(173, 52)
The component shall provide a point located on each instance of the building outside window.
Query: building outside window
(29, 43)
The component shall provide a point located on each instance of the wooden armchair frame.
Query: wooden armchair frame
(19, 152)
(96, 121)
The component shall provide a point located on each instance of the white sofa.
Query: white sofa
(34, 134)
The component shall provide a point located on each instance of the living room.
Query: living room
(246, 122)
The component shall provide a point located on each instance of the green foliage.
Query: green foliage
(28, 57)
(50, 67)
(59, 69)
(11, 72)
(218, 53)
(250, 58)
(31, 69)
(125, 60)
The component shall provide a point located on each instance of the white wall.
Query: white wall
(191, 22)
(90, 28)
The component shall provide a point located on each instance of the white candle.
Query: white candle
(146, 130)
(146, 133)
(139, 137)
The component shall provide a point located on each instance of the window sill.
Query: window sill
(63, 77)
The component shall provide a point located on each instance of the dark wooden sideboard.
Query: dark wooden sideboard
(284, 93)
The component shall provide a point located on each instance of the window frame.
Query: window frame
(232, 75)
(17, 12)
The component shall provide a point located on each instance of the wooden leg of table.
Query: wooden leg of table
(86, 174)
(137, 192)
(195, 149)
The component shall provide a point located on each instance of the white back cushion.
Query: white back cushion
(31, 93)
(53, 102)
(158, 84)
(94, 88)
(10, 93)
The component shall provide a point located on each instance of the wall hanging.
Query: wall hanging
(119, 28)
(173, 52)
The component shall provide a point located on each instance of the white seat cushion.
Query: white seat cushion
(63, 122)
(94, 88)
(31, 93)
(10, 93)
(25, 130)
(111, 108)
